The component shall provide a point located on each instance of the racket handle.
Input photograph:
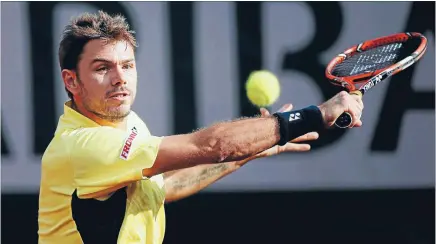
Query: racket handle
(345, 120)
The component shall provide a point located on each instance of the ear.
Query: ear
(70, 81)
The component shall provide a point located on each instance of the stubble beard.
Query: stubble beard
(101, 110)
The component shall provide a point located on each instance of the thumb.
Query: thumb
(264, 112)
(286, 108)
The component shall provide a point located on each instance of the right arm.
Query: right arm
(237, 140)
(222, 142)
(101, 165)
(105, 159)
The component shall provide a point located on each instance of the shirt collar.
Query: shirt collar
(73, 117)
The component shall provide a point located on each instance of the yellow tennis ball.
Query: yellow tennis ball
(263, 88)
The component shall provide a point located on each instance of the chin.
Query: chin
(121, 109)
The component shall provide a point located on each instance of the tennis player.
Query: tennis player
(105, 178)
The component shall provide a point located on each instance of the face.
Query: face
(106, 79)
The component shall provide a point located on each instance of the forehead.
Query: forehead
(114, 51)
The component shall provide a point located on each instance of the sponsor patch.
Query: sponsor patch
(294, 116)
(128, 144)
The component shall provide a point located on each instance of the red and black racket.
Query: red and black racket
(363, 66)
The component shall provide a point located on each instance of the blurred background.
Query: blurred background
(373, 184)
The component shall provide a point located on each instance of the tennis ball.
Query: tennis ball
(263, 88)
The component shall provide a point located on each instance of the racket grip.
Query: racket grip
(345, 120)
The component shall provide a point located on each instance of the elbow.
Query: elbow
(215, 146)
(222, 154)
(218, 149)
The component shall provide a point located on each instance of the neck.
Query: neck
(77, 106)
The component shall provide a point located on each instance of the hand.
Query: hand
(292, 146)
(340, 103)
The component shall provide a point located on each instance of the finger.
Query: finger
(359, 101)
(359, 106)
(354, 120)
(286, 108)
(358, 123)
(355, 114)
(292, 147)
(264, 112)
(307, 137)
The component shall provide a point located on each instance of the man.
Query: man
(105, 178)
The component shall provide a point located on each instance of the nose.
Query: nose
(118, 78)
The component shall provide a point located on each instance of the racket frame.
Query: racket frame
(370, 79)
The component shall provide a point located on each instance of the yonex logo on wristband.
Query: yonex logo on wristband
(294, 116)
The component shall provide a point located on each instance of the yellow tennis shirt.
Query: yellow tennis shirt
(92, 189)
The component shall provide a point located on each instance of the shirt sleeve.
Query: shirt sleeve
(105, 159)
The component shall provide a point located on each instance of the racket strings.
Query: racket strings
(369, 60)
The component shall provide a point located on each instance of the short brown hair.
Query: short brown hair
(87, 27)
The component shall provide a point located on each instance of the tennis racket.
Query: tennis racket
(363, 66)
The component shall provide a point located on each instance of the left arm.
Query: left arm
(186, 182)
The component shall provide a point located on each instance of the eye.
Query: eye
(102, 68)
(128, 66)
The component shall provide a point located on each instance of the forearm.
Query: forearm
(183, 183)
(239, 139)
(220, 143)
(232, 141)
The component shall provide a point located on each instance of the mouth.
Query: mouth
(119, 95)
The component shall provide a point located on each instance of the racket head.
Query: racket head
(362, 66)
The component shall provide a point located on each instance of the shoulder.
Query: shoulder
(138, 122)
(60, 147)
(79, 134)
(82, 142)
(94, 137)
